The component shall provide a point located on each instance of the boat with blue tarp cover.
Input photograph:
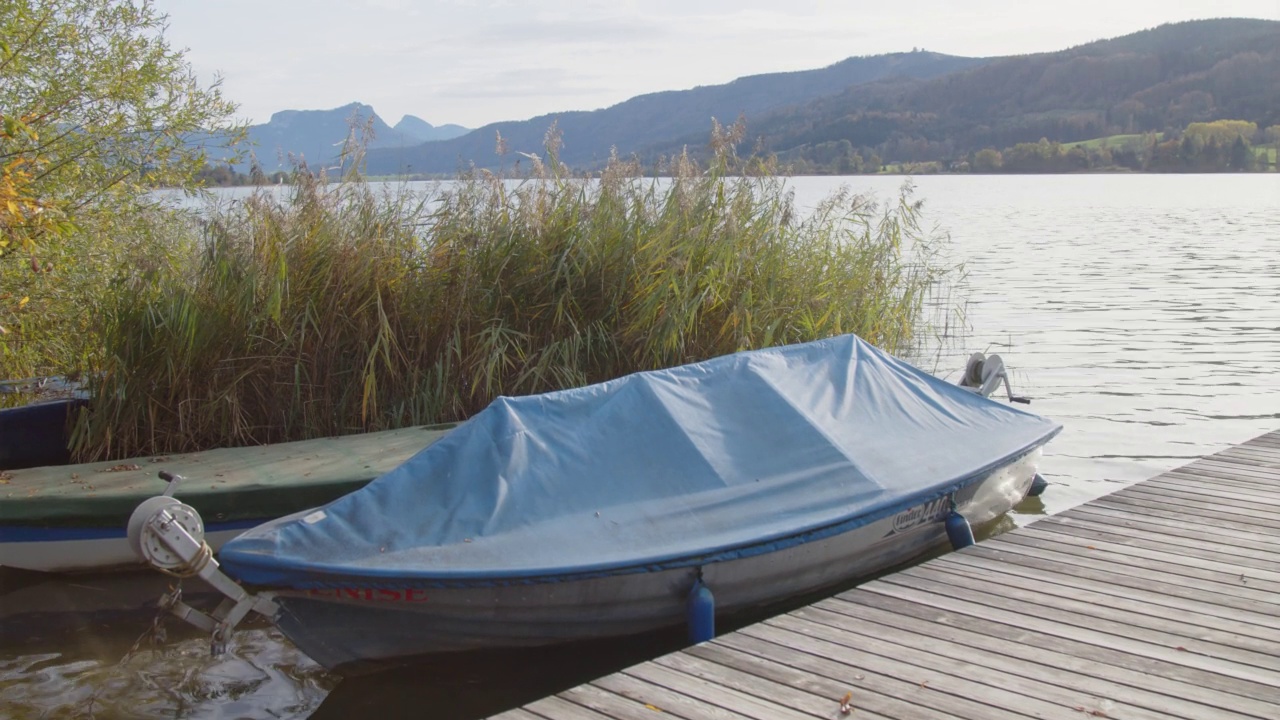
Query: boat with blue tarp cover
(600, 511)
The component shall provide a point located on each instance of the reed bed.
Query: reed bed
(338, 309)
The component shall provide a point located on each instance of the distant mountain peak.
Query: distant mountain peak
(317, 135)
(345, 111)
(410, 123)
(414, 127)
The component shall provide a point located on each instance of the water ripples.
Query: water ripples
(1139, 311)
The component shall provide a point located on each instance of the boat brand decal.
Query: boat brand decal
(413, 595)
(920, 514)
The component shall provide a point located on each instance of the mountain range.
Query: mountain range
(317, 137)
(899, 106)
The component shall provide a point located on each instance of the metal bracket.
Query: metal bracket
(170, 537)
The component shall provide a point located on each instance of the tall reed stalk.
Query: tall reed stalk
(339, 310)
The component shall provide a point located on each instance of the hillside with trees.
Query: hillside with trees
(656, 118)
(922, 111)
(1155, 81)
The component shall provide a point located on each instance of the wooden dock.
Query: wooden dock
(1161, 600)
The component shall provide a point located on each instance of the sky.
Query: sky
(473, 62)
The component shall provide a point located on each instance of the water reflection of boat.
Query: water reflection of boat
(86, 646)
(73, 517)
(41, 606)
(614, 509)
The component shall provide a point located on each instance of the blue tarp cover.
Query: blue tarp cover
(650, 468)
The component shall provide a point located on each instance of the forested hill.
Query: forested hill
(920, 106)
(1156, 80)
(653, 119)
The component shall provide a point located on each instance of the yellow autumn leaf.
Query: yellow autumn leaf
(24, 301)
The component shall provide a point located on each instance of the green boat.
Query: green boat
(73, 517)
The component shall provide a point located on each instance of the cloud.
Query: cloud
(524, 82)
(560, 31)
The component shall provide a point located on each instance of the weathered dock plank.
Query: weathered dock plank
(1034, 679)
(880, 694)
(1011, 566)
(1223, 577)
(1192, 677)
(1221, 533)
(1161, 600)
(1049, 660)
(1219, 518)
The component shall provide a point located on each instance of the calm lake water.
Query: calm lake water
(1142, 312)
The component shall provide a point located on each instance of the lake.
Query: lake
(1141, 311)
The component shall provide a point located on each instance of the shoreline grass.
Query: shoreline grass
(337, 310)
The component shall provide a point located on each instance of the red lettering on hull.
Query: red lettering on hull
(414, 595)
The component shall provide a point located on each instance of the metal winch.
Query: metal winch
(983, 374)
(169, 535)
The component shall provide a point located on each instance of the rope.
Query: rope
(191, 568)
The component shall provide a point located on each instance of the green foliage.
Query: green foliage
(111, 109)
(1225, 132)
(337, 310)
(1265, 158)
(1217, 146)
(225, 176)
(1131, 141)
(96, 110)
(987, 160)
(56, 331)
(23, 215)
(1044, 157)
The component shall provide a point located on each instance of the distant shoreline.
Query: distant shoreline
(1115, 170)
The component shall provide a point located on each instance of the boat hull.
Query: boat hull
(36, 434)
(85, 549)
(359, 624)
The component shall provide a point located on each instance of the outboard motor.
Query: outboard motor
(983, 374)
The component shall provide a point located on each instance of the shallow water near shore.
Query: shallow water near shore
(1140, 311)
